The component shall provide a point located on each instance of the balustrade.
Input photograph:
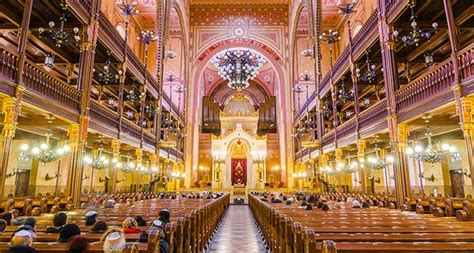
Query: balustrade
(373, 114)
(44, 84)
(8, 64)
(104, 115)
(466, 63)
(433, 82)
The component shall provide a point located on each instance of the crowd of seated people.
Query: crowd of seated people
(113, 238)
(308, 201)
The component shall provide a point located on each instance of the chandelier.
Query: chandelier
(133, 95)
(44, 153)
(107, 77)
(170, 54)
(344, 95)
(377, 162)
(416, 35)
(61, 36)
(327, 111)
(307, 53)
(238, 66)
(306, 76)
(98, 161)
(431, 154)
(350, 167)
(369, 75)
(127, 7)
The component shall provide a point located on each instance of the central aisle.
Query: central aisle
(237, 233)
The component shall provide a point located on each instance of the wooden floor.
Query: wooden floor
(237, 233)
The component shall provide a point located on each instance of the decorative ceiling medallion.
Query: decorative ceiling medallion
(239, 32)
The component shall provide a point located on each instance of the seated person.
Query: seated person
(21, 242)
(59, 220)
(114, 242)
(16, 220)
(3, 225)
(110, 203)
(164, 216)
(337, 205)
(99, 227)
(130, 226)
(156, 225)
(277, 200)
(288, 204)
(355, 203)
(28, 225)
(78, 244)
(91, 218)
(365, 204)
(68, 231)
(140, 221)
(308, 208)
(325, 207)
(7, 216)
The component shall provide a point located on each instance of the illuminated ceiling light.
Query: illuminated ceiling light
(62, 36)
(416, 35)
(44, 153)
(49, 60)
(431, 154)
(369, 75)
(238, 66)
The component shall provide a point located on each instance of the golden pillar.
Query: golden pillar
(10, 110)
(403, 133)
(137, 178)
(73, 133)
(467, 124)
(361, 146)
(114, 171)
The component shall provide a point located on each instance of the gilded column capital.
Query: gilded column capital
(339, 153)
(403, 133)
(73, 133)
(8, 110)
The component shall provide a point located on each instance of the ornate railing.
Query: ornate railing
(328, 138)
(8, 64)
(431, 83)
(131, 129)
(149, 138)
(43, 83)
(466, 63)
(347, 128)
(373, 114)
(104, 115)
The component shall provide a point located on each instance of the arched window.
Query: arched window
(121, 31)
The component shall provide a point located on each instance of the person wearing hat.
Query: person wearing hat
(99, 227)
(59, 220)
(355, 203)
(141, 222)
(78, 244)
(164, 216)
(21, 242)
(91, 218)
(114, 242)
(68, 231)
(156, 225)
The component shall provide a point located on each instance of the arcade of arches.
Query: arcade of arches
(368, 99)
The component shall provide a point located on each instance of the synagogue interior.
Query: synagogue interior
(286, 126)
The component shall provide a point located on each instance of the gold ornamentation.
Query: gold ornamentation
(8, 110)
(403, 133)
(73, 134)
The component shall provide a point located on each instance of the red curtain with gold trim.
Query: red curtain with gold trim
(239, 171)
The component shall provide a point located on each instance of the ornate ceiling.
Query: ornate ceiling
(206, 2)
